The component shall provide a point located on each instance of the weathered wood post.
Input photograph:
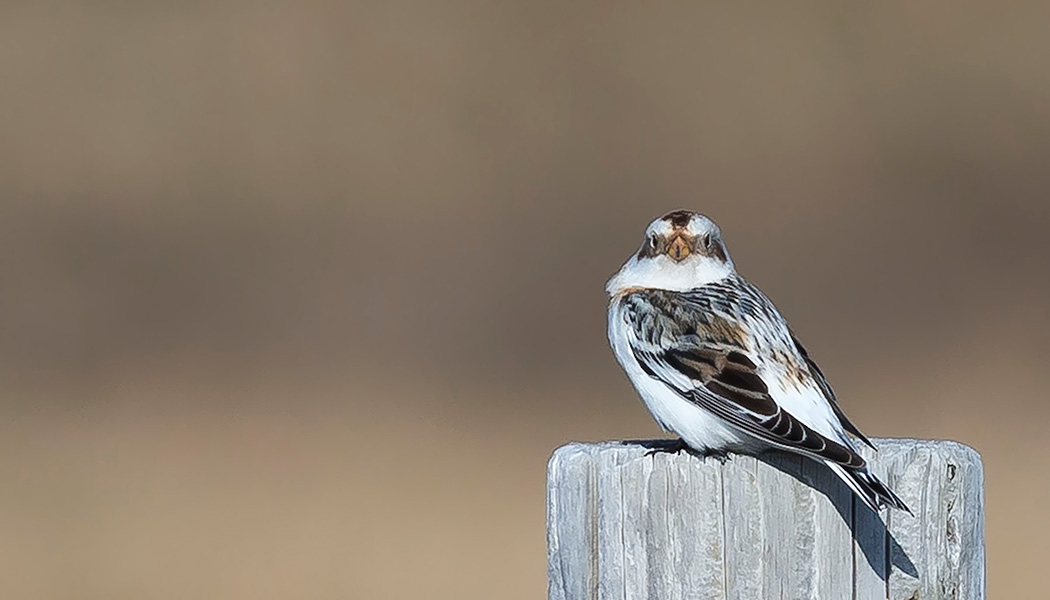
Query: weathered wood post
(624, 524)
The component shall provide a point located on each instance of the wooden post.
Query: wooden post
(623, 524)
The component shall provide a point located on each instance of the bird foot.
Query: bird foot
(678, 446)
(720, 455)
(674, 447)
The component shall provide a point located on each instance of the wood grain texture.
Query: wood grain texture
(622, 524)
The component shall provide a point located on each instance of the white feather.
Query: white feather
(662, 273)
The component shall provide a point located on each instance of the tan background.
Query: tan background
(297, 297)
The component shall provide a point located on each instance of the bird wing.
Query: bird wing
(829, 394)
(684, 341)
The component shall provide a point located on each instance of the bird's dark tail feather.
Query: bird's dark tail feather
(870, 489)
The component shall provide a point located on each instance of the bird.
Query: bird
(715, 362)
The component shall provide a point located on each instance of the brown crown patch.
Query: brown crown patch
(679, 218)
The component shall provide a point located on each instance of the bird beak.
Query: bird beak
(678, 249)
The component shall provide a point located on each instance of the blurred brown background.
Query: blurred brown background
(299, 296)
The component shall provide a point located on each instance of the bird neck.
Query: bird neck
(662, 273)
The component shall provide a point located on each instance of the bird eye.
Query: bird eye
(652, 242)
(706, 240)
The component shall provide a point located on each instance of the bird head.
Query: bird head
(682, 250)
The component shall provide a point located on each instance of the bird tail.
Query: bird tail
(869, 488)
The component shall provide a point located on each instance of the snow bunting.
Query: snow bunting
(716, 363)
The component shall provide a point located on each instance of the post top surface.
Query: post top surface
(632, 449)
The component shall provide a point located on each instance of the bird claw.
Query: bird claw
(720, 455)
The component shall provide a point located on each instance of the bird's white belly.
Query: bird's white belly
(699, 428)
